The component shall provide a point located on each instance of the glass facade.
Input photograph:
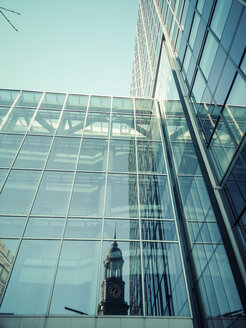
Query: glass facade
(75, 170)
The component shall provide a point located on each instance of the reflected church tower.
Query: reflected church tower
(113, 287)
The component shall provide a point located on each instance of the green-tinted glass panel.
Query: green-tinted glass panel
(144, 106)
(32, 275)
(122, 156)
(44, 227)
(178, 129)
(7, 97)
(123, 126)
(100, 104)
(63, 154)
(18, 192)
(45, 122)
(72, 124)
(11, 226)
(185, 158)
(122, 200)
(158, 230)
(77, 102)
(33, 152)
(18, 120)
(150, 157)
(93, 155)
(208, 54)
(122, 105)
(3, 113)
(220, 16)
(3, 174)
(83, 228)
(88, 195)
(76, 280)
(147, 127)
(125, 229)
(97, 124)
(9, 144)
(53, 100)
(29, 98)
(53, 194)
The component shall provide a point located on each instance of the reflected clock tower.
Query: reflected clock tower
(113, 287)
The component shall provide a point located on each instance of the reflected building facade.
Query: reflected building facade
(166, 166)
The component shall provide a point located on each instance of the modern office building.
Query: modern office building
(130, 212)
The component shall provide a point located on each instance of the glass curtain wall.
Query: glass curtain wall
(77, 174)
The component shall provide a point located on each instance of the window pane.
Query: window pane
(158, 230)
(122, 105)
(123, 126)
(88, 195)
(53, 194)
(45, 122)
(97, 124)
(9, 145)
(18, 192)
(220, 16)
(28, 98)
(165, 291)
(101, 104)
(93, 155)
(85, 228)
(144, 106)
(7, 97)
(18, 120)
(3, 112)
(64, 153)
(44, 227)
(121, 198)
(33, 152)
(72, 124)
(53, 100)
(178, 129)
(8, 248)
(11, 226)
(122, 156)
(77, 102)
(130, 287)
(208, 55)
(185, 158)
(32, 275)
(126, 229)
(76, 281)
(155, 197)
(147, 127)
(150, 157)
(3, 174)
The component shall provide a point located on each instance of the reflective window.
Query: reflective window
(3, 174)
(164, 280)
(7, 252)
(33, 152)
(53, 193)
(44, 227)
(154, 197)
(122, 105)
(97, 124)
(123, 126)
(83, 228)
(122, 156)
(178, 129)
(158, 230)
(7, 97)
(11, 226)
(150, 157)
(32, 275)
(53, 100)
(147, 127)
(72, 124)
(79, 260)
(77, 102)
(220, 16)
(144, 106)
(64, 153)
(88, 195)
(121, 200)
(45, 122)
(185, 158)
(125, 229)
(128, 291)
(18, 120)
(18, 192)
(93, 155)
(208, 55)
(9, 145)
(194, 30)
(100, 104)
(3, 113)
(28, 98)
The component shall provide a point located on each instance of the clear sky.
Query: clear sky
(83, 46)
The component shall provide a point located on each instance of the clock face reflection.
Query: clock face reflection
(114, 290)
